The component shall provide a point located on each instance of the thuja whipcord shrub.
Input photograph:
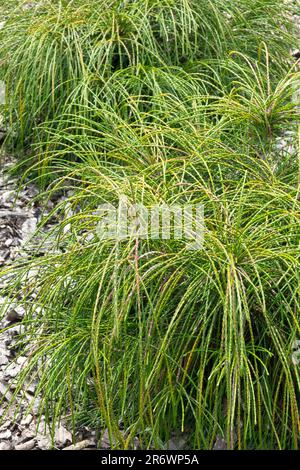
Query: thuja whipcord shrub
(50, 49)
(248, 115)
(255, 102)
(147, 338)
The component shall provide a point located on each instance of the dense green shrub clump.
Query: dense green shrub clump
(165, 102)
(59, 50)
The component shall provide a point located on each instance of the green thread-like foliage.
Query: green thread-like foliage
(164, 102)
(50, 49)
